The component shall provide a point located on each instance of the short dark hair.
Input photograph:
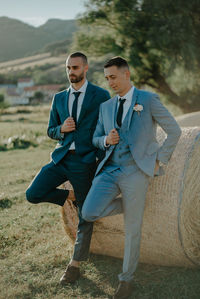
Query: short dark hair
(117, 61)
(79, 54)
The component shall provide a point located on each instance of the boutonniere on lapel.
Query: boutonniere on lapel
(138, 108)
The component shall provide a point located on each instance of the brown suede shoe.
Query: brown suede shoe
(124, 290)
(70, 275)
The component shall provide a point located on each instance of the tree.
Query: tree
(39, 95)
(155, 36)
(1, 98)
(3, 104)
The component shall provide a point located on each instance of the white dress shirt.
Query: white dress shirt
(128, 96)
(71, 99)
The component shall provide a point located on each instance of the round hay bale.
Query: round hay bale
(189, 119)
(171, 224)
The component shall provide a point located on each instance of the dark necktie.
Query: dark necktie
(75, 105)
(120, 112)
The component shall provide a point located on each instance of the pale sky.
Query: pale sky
(37, 12)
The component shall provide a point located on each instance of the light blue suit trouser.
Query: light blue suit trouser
(101, 201)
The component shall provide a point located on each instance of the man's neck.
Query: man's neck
(78, 85)
(129, 86)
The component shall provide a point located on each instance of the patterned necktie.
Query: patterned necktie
(75, 105)
(120, 111)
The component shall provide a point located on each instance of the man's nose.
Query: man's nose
(110, 82)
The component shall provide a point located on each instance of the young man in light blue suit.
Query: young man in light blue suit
(126, 130)
(72, 122)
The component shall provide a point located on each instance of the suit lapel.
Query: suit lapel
(134, 100)
(89, 96)
(113, 111)
(66, 103)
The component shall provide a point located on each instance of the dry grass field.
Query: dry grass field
(34, 248)
(31, 61)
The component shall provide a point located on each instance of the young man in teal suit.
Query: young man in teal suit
(126, 129)
(72, 122)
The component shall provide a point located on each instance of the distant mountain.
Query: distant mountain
(62, 29)
(19, 39)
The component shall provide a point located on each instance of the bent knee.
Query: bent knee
(31, 196)
(88, 215)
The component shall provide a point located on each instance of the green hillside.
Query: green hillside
(20, 40)
(61, 29)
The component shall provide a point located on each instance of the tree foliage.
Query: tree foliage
(39, 95)
(1, 98)
(155, 36)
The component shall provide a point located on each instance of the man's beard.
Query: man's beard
(76, 79)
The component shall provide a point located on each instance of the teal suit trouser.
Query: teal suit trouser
(44, 189)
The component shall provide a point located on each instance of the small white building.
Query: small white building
(14, 98)
(5, 86)
(24, 82)
(47, 90)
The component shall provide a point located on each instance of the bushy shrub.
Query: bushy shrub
(17, 142)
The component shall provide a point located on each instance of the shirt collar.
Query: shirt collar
(82, 89)
(128, 96)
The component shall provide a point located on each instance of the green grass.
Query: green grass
(34, 249)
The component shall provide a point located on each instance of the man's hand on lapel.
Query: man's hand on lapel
(112, 138)
(68, 125)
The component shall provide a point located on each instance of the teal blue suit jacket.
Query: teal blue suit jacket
(82, 136)
(141, 130)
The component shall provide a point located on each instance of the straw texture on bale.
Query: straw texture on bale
(189, 119)
(171, 224)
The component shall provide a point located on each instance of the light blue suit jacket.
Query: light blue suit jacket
(142, 141)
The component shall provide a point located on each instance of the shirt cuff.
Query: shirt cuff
(106, 145)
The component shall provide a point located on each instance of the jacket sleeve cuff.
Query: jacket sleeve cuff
(59, 134)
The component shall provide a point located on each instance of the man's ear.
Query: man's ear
(86, 67)
(128, 74)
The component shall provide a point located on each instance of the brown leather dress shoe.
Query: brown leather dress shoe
(124, 290)
(70, 275)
